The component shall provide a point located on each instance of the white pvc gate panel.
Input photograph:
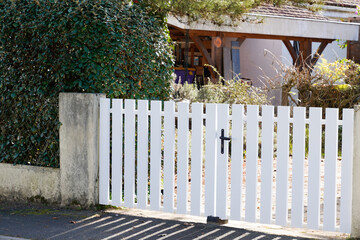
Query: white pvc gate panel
(269, 164)
(142, 154)
(237, 161)
(315, 132)
(169, 156)
(196, 158)
(252, 141)
(299, 138)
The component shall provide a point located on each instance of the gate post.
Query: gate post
(79, 144)
(355, 215)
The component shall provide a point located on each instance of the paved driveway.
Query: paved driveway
(42, 222)
(117, 226)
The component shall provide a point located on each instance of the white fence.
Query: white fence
(170, 158)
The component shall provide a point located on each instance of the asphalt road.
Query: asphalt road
(44, 222)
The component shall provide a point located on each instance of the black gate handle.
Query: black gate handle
(223, 138)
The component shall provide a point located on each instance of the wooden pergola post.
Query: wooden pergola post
(304, 59)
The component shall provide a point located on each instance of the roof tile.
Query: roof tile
(287, 11)
(343, 3)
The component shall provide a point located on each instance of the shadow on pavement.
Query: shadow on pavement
(88, 225)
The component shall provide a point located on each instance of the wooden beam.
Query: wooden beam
(304, 58)
(219, 58)
(241, 41)
(213, 51)
(203, 50)
(308, 52)
(206, 56)
(192, 49)
(291, 50)
(318, 53)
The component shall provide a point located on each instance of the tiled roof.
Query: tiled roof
(288, 11)
(342, 3)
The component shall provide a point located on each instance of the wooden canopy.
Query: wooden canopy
(202, 43)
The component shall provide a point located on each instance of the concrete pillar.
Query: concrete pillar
(355, 218)
(79, 141)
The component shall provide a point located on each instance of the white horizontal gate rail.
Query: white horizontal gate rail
(169, 157)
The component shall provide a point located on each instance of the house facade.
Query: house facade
(270, 35)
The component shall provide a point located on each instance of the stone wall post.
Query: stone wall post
(355, 218)
(79, 144)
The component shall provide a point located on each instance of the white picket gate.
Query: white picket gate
(240, 183)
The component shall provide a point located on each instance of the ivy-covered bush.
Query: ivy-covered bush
(48, 46)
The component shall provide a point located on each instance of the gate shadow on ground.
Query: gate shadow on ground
(119, 226)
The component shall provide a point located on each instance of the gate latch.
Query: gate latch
(223, 138)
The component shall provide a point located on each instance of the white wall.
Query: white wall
(258, 57)
(257, 60)
(332, 51)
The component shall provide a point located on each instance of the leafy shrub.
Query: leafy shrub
(47, 47)
(225, 91)
(328, 85)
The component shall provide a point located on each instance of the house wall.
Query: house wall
(260, 57)
(257, 60)
(332, 52)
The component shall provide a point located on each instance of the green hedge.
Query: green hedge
(47, 47)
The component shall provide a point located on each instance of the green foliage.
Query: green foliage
(229, 92)
(225, 91)
(47, 47)
(232, 92)
(216, 11)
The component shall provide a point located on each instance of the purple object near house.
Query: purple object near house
(181, 74)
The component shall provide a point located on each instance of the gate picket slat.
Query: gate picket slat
(346, 170)
(117, 130)
(237, 161)
(282, 166)
(142, 154)
(222, 162)
(183, 158)
(155, 155)
(313, 210)
(129, 168)
(169, 163)
(196, 157)
(104, 151)
(331, 154)
(210, 159)
(252, 131)
(267, 157)
(297, 205)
